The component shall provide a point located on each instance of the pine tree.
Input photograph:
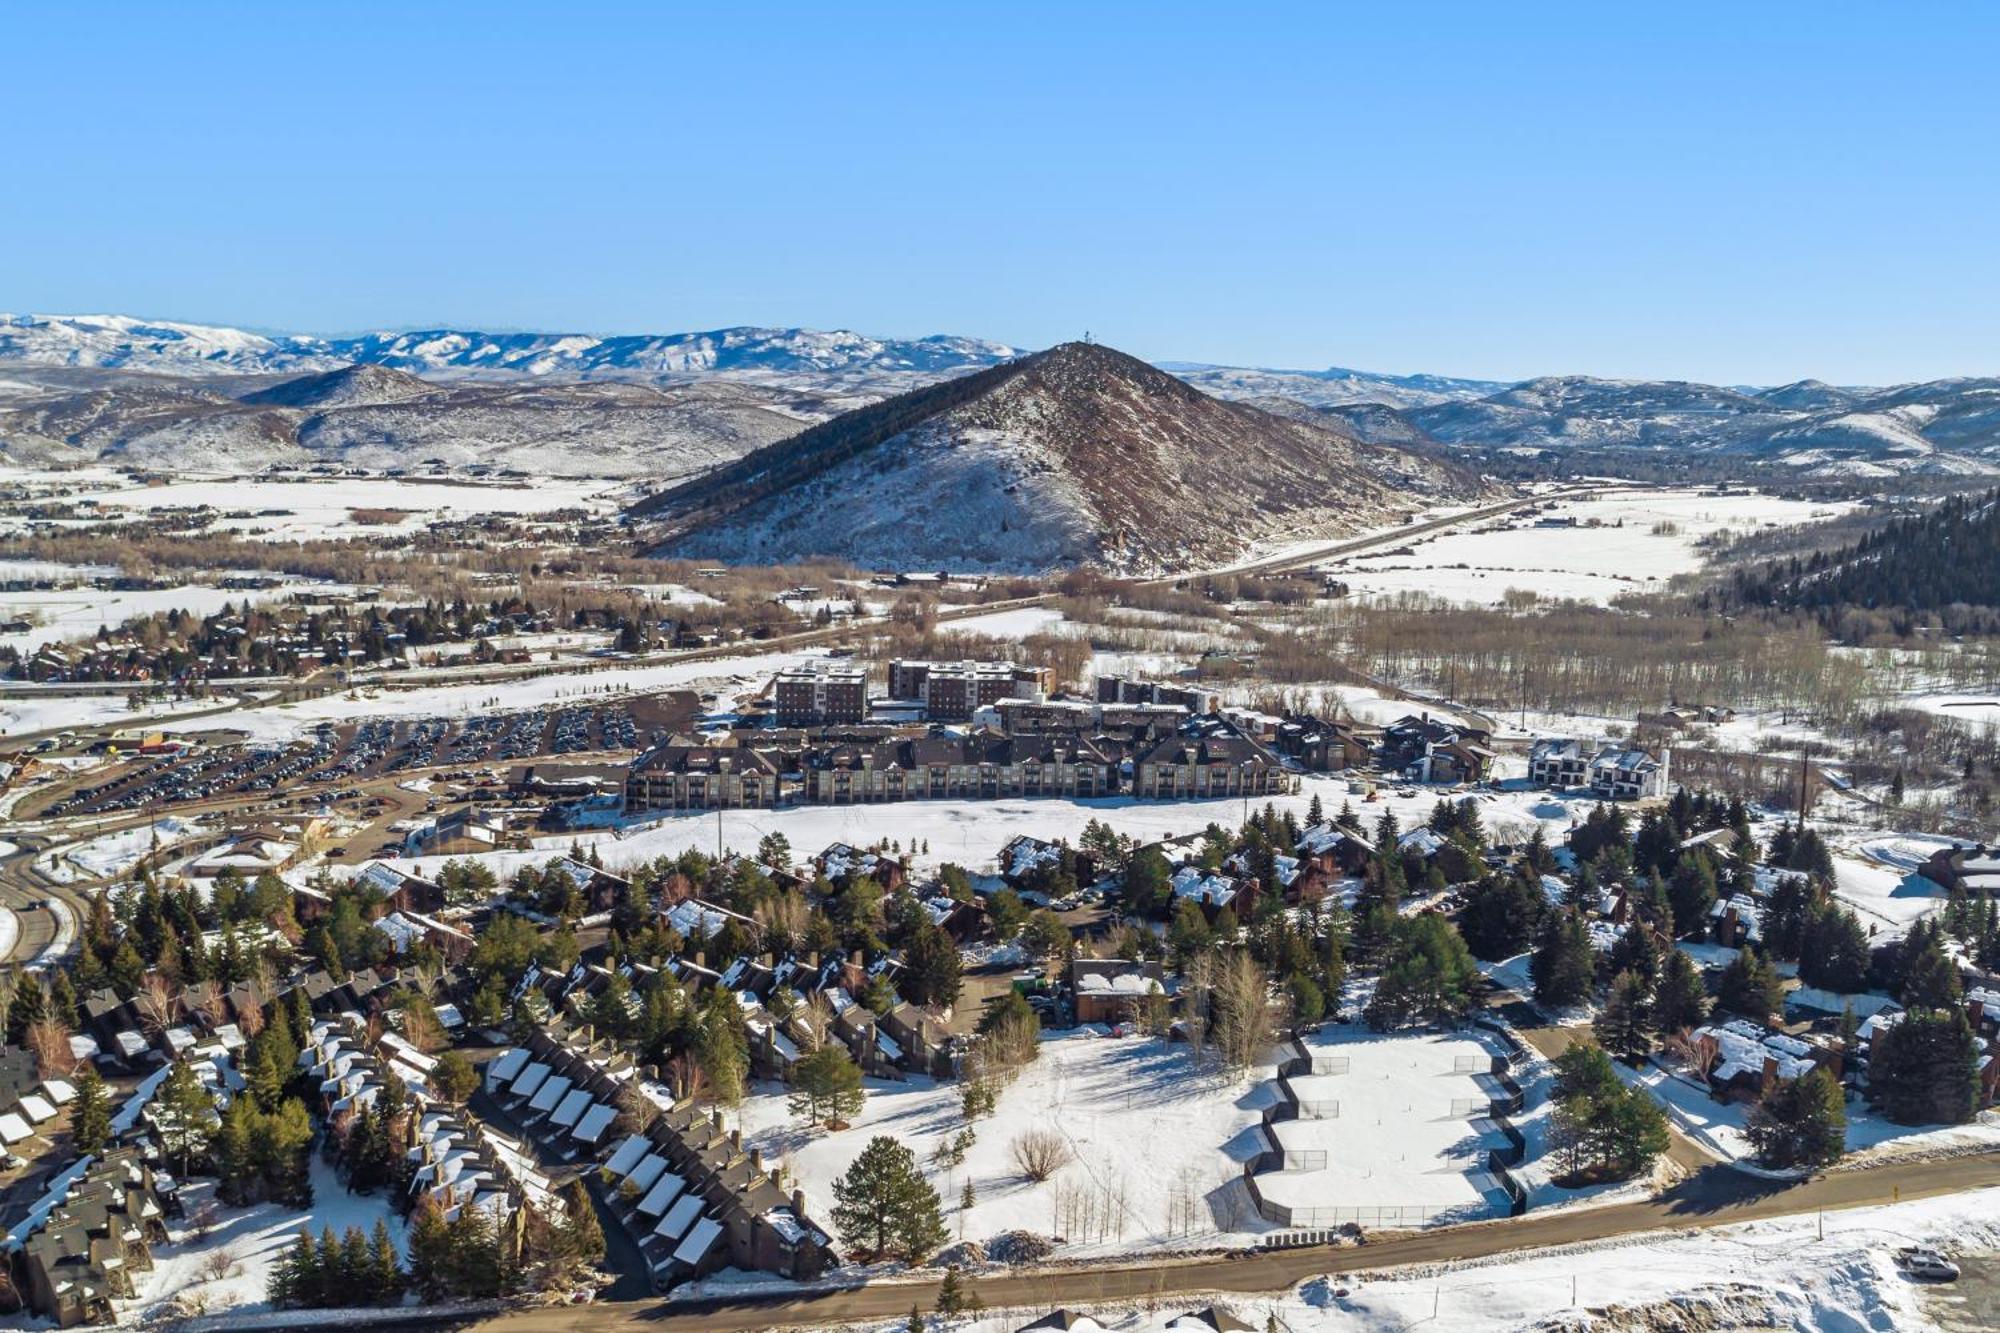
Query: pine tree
(1624, 1027)
(584, 1235)
(1800, 1123)
(1922, 1070)
(1564, 967)
(1749, 986)
(295, 1278)
(90, 1115)
(1680, 1001)
(826, 1086)
(385, 1274)
(430, 1250)
(955, 1294)
(883, 1205)
(915, 1323)
(1315, 812)
(181, 1110)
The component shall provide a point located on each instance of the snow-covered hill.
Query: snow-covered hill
(1076, 455)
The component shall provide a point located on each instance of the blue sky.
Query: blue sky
(1743, 193)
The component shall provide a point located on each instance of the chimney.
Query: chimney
(757, 1159)
(799, 1204)
(701, 958)
(715, 1118)
(736, 1139)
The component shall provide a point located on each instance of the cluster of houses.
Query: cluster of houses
(692, 1197)
(96, 1225)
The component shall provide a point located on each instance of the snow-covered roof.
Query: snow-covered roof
(1427, 842)
(1743, 1047)
(1196, 883)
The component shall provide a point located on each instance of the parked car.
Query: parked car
(1924, 1264)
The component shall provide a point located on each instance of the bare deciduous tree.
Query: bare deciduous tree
(1245, 1020)
(159, 1002)
(1040, 1153)
(48, 1038)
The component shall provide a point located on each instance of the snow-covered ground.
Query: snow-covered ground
(56, 711)
(1143, 1124)
(114, 853)
(1980, 710)
(1016, 624)
(75, 613)
(971, 833)
(1594, 564)
(321, 508)
(284, 722)
(256, 1238)
(1812, 1273)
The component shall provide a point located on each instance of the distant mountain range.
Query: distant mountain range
(1077, 455)
(186, 395)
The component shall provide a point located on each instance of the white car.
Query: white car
(1925, 1264)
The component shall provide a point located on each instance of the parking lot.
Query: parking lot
(366, 750)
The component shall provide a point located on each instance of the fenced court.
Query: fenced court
(1390, 1129)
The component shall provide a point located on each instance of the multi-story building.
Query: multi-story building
(820, 692)
(1131, 690)
(83, 1254)
(1622, 774)
(953, 691)
(1218, 765)
(701, 777)
(981, 766)
(1559, 763)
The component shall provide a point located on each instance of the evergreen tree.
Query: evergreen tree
(182, 1110)
(1427, 974)
(295, 1279)
(385, 1275)
(955, 1295)
(1625, 1027)
(1564, 966)
(583, 1234)
(1923, 1070)
(1680, 1001)
(930, 968)
(1500, 917)
(1933, 978)
(826, 1086)
(90, 1114)
(1800, 1123)
(884, 1206)
(430, 1250)
(1749, 986)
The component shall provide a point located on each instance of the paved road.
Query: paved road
(1714, 1197)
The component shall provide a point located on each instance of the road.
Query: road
(1714, 1197)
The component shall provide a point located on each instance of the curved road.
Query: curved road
(1717, 1196)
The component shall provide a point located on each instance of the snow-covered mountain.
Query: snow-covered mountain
(192, 395)
(1333, 387)
(121, 342)
(1079, 454)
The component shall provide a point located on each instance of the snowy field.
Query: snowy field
(1583, 563)
(1977, 710)
(285, 722)
(77, 613)
(1396, 1127)
(1143, 1125)
(1808, 1273)
(114, 853)
(320, 508)
(971, 833)
(1016, 624)
(256, 1239)
(56, 711)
